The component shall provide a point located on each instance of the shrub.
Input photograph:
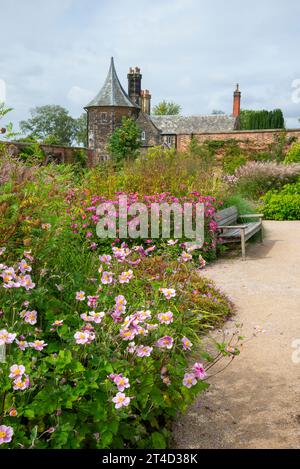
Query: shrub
(255, 178)
(94, 367)
(283, 204)
(244, 206)
(233, 158)
(293, 155)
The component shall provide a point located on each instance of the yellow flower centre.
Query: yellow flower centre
(2, 434)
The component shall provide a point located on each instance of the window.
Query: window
(143, 135)
(103, 117)
(169, 140)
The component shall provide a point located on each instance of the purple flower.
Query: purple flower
(189, 380)
(165, 342)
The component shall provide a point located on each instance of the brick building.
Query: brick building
(106, 110)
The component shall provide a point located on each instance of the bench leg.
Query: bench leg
(261, 235)
(243, 244)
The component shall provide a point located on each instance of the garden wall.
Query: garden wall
(59, 154)
(253, 140)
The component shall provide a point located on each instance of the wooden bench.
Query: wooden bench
(230, 231)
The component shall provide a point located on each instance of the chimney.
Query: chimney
(236, 102)
(146, 101)
(134, 85)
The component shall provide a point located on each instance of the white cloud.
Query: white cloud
(79, 95)
(190, 51)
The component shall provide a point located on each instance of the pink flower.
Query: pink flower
(24, 266)
(20, 385)
(92, 301)
(165, 342)
(81, 337)
(131, 347)
(186, 343)
(120, 309)
(6, 337)
(151, 327)
(125, 277)
(27, 255)
(120, 400)
(143, 315)
(80, 296)
(97, 317)
(22, 344)
(105, 258)
(143, 351)
(13, 412)
(121, 382)
(172, 242)
(120, 300)
(199, 371)
(165, 318)
(31, 317)
(38, 345)
(6, 434)
(185, 256)
(16, 371)
(58, 323)
(189, 380)
(26, 282)
(202, 262)
(107, 277)
(127, 334)
(168, 292)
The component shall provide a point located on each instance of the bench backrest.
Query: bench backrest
(227, 216)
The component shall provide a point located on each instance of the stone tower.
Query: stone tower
(105, 112)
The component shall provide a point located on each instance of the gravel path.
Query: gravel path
(255, 402)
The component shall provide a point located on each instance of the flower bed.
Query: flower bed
(108, 365)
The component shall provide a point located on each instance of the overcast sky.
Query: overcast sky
(192, 52)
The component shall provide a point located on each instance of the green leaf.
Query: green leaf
(158, 441)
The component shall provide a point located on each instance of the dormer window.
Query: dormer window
(143, 136)
(103, 117)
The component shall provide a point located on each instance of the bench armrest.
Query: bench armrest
(242, 227)
(252, 215)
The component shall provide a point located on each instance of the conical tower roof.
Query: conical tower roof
(112, 93)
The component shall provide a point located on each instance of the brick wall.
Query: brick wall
(251, 139)
(59, 154)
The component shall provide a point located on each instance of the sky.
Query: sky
(192, 52)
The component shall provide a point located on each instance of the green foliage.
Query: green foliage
(159, 170)
(243, 205)
(293, 155)
(165, 108)
(257, 120)
(255, 178)
(125, 141)
(233, 158)
(282, 204)
(7, 131)
(50, 121)
(81, 131)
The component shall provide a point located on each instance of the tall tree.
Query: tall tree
(50, 122)
(165, 108)
(258, 120)
(125, 141)
(81, 131)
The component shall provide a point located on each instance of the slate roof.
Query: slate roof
(112, 92)
(194, 124)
